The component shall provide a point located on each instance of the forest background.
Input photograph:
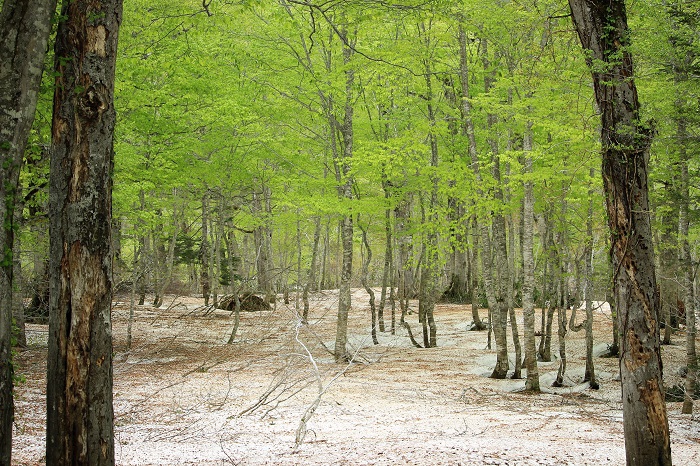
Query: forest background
(247, 132)
(230, 144)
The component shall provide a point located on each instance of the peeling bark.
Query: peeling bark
(602, 29)
(79, 383)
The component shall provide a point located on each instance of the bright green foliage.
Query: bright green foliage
(237, 98)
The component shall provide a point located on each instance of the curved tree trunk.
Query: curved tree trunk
(602, 29)
(365, 283)
(80, 417)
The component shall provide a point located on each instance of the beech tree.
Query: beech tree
(604, 34)
(24, 32)
(79, 383)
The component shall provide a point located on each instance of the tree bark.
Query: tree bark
(24, 32)
(80, 415)
(342, 171)
(602, 29)
(686, 264)
(501, 369)
(429, 264)
(311, 275)
(388, 258)
(588, 289)
(533, 377)
(204, 250)
(365, 282)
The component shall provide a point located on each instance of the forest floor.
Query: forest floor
(183, 396)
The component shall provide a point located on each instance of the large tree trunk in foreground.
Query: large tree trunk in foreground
(24, 31)
(602, 29)
(79, 383)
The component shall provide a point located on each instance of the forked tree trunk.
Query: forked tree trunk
(602, 29)
(80, 417)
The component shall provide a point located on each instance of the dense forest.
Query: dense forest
(438, 151)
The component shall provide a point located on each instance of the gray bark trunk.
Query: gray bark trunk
(501, 369)
(311, 276)
(686, 264)
(342, 170)
(588, 289)
(24, 32)
(80, 415)
(533, 378)
(204, 250)
(365, 282)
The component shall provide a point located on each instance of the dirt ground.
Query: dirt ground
(183, 396)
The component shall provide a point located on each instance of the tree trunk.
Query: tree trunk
(430, 263)
(533, 377)
(345, 185)
(24, 32)
(588, 289)
(517, 370)
(311, 276)
(204, 250)
(477, 323)
(80, 417)
(549, 298)
(365, 282)
(169, 264)
(17, 283)
(501, 369)
(388, 260)
(602, 29)
(686, 264)
(143, 253)
(561, 333)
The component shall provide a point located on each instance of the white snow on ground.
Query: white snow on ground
(180, 394)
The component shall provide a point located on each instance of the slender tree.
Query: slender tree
(24, 32)
(79, 382)
(602, 29)
(533, 377)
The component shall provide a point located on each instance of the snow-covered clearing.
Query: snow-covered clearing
(183, 396)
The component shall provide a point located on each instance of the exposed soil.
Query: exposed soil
(183, 396)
